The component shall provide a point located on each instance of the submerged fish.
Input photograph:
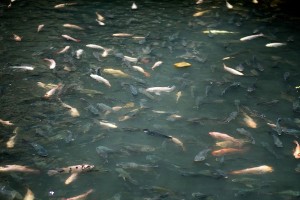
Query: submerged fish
(297, 150)
(73, 26)
(202, 155)
(275, 44)
(71, 169)
(18, 168)
(70, 38)
(254, 170)
(232, 71)
(115, 72)
(158, 90)
(251, 37)
(100, 79)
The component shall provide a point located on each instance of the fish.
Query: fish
(94, 46)
(100, 79)
(17, 38)
(200, 13)
(79, 53)
(222, 136)
(126, 176)
(71, 178)
(52, 63)
(70, 38)
(202, 155)
(263, 169)
(226, 151)
(23, 67)
(233, 85)
(103, 151)
(246, 133)
(156, 64)
(135, 166)
(51, 92)
(122, 35)
(81, 196)
(251, 37)
(147, 94)
(40, 27)
(115, 73)
(107, 125)
(72, 111)
(138, 148)
(275, 44)
(12, 141)
(18, 168)
(100, 22)
(231, 117)
(141, 70)
(65, 49)
(228, 5)
(100, 17)
(158, 90)
(249, 121)
(73, 26)
(297, 150)
(155, 133)
(40, 150)
(178, 95)
(71, 169)
(133, 6)
(232, 71)
(277, 141)
(6, 122)
(130, 59)
(29, 195)
(178, 142)
(62, 5)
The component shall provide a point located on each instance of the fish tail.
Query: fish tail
(147, 74)
(77, 40)
(52, 172)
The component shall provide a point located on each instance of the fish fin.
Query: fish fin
(157, 93)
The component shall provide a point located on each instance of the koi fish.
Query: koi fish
(51, 92)
(115, 72)
(79, 53)
(18, 168)
(94, 46)
(254, 170)
(158, 63)
(100, 79)
(130, 59)
(297, 150)
(65, 49)
(100, 17)
(40, 27)
(178, 142)
(232, 71)
(71, 169)
(29, 68)
(251, 37)
(226, 151)
(158, 90)
(73, 26)
(71, 178)
(29, 195)
(52, 63)
(17, 38)
(122, 35)
(222, 136)
(134, 6)
(62, 5)
(140, 69)
(70, 38)
(275, 44)
(80, 197)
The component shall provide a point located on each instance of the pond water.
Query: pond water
(140, 144)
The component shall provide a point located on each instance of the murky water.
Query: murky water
(64, 129)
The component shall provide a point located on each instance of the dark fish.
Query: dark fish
(154, 133)
(40, 150)
(234, 84)
(133, 90)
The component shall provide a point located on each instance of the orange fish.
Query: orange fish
(297, 150)
(254, 170)
(225, 151)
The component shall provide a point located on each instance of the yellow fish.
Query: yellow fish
(115, 73)
(182, 64)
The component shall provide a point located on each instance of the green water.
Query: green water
(174, 35)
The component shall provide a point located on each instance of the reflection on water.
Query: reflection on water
(141, 142)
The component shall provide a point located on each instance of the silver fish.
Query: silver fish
(275, 44)
(202, 155)
(277, 141)
(251, 37)
(231, 117)
(132, 165)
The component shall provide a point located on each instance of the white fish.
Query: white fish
(275, 44)
(251, 37)
(40, 27)
(156, 64)
(79, 53)
(100, 79)
(29, 195)
(108, 125)
(73, 26)
(100, 22)
(122, 35)
(52, 63)
(65, 49)
(70, 38)
(228, 5)
(232, 71)
(140, 69)
(130, 59)
(100, 17)
(30, 68)
(134, 6)
(94, 46)
(158, 90)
